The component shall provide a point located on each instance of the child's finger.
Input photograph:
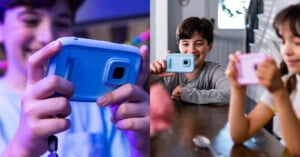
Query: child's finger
(38, 61)
(144, 71)
(127, 92)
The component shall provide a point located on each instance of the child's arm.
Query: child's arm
(242, 126)
(289, 123)
(270, 78)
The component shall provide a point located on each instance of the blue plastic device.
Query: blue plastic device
(177, 62)
(95, 67)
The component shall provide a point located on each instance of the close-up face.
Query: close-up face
(197, 45)
(31, 29)
(290, 49)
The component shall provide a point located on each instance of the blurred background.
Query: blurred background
(114, 20)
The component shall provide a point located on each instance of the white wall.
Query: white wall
(158, 28)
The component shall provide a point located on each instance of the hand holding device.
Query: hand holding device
(247, 67)
(95, 67)
(177, 62)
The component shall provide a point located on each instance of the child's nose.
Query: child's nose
(45, 33)
(287, 49)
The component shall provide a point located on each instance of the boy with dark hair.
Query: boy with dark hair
(207, 84)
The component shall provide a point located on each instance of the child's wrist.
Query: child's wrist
(239, 88)
(155, 79)
(278, 91)
(15, 149)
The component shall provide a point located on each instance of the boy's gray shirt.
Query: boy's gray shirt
(210, 87)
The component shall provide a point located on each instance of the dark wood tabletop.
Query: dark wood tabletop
(211, 121)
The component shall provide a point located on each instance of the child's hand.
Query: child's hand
(231, 70)
(38, 109)
(129, 105)
(176, 93)
(159, 67)
(161, 108)
(269, 75)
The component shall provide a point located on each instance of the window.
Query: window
(231, 14)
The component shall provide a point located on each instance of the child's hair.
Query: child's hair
(195, 24)
(290, 15)
(6, 4)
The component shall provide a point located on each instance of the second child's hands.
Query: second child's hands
(269, 75)
(231, 70)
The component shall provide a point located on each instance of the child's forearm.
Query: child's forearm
(289, 122)
(237, 119)
(14, 149)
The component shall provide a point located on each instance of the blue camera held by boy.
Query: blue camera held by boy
(181, 63)
(95, 67)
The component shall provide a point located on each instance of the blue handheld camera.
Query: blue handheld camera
(95, 67)
(177, 62)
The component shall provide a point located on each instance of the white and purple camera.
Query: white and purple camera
(247, 67)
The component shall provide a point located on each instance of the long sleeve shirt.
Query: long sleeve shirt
(210, 87)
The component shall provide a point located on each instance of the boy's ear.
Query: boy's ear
(210, 47)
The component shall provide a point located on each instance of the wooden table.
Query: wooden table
(210, 121)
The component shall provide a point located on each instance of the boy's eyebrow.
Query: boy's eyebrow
(190, 39)
(23, 12)
(200, 40)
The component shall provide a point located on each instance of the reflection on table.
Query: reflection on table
(210, 121)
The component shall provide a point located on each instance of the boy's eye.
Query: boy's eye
(185, 44)
(30, 19)
(31, 22)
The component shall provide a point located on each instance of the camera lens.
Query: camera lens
(185, 62)
(118, 72)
